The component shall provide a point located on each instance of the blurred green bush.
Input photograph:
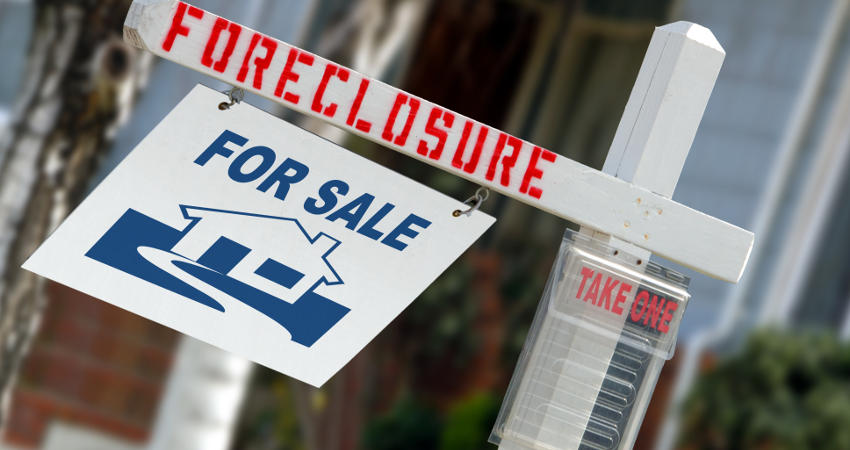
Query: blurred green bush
(783, 391)
(413, 425)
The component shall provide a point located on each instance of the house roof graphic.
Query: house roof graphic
(208, 225)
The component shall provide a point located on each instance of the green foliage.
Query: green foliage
(782, 392)
(469, 422)
(442, 317)
(269, 418)
(409, 426)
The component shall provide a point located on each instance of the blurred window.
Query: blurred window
(490, 43)
(595, 62)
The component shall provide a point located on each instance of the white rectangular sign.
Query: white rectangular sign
(416, 127)
(254, 235)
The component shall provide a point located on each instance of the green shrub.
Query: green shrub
(410, 425)
(782, 391)
(469, 422)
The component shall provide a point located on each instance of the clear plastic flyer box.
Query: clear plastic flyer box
(606, 324)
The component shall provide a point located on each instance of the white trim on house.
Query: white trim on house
(844, 332)
(67, 436)
(769, 205)
(811, 213)
(200, 405)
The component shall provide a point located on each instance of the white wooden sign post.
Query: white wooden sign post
(649, 149)
(626, 207)
(632, 212)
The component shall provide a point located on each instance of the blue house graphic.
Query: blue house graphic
(234, 253)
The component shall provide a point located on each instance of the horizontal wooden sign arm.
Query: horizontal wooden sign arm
(411, 125)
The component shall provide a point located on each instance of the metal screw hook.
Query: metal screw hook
(235, 95)
(474, 202)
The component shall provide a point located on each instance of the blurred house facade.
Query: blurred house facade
(771, 155)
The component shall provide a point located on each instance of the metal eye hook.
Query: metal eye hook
(474, 202)
(235, 95)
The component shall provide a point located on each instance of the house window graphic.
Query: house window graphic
(224, 250)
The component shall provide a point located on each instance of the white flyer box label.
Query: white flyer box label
(256, 236)
(606, 324)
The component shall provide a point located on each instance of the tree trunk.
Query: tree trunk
(80, 83)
